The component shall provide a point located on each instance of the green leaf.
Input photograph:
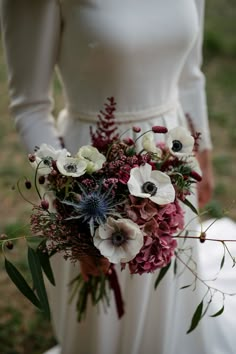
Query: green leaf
(175, 266)
(185, 286)
(161, 274)
(191, 206)
(218, 313)
(21, 283)
(46, 265)
(196, 317)
(222, 262)
(37, 275)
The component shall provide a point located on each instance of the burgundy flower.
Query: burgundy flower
(159, 129)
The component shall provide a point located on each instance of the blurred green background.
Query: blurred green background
(22, 328)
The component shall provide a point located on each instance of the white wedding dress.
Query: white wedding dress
(147, 54)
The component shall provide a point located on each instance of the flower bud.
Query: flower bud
(3, 237)
(44, 204)
(159, 129)
(31, 157)
(41, 179)
(136, 129)
(195, 176)
(27, 184)
(202, 237)
(9, 245)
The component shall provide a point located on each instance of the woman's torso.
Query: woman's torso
(133, 50)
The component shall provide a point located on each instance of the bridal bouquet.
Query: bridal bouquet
(116, 202)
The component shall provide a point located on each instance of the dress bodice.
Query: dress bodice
(145, 53)
(133, 50)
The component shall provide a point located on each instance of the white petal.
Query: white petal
(106, 248)
(164, 195)
(145, 171)
(138, 176)
(80, 166)
(118, 254)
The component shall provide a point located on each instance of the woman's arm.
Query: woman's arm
(31, 33)
(193, 100)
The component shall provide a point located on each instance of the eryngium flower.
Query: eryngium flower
(93, 207)
(118, 240)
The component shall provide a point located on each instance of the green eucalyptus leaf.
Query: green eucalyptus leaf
(218, 313)
(222, 262)
(38, 281)
(21, 284)
(196, 317)
(191, 206)
(175, 266)
(161, 275)
(44, 259)
(185, 286)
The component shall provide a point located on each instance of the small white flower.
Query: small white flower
(155, 185)
(44, 157)
(92, 156)
(148, 143)
(180, 141)
(118, 240)
(71, 166)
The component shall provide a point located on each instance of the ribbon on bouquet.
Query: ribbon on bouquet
(115, 286)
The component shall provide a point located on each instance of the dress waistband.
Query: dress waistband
(128, 117)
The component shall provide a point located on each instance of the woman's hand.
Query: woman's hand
(206, 186)
(93, 266)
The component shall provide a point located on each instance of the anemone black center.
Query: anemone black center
(149, 187)
(47, 160)
(70, 167)
(118, 238)
(176, 145)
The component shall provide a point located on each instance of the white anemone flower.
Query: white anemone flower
(71, 166)
(44, 157)
(118, 240)
(92, 157)
(148, 143)
(180, 141)
(155, 185)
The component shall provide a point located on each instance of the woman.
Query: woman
(147, 54)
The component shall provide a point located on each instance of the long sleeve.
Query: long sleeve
(192, 85)
(30, 32)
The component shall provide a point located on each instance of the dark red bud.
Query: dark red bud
(41, 179)
(31, 157)
(28, 184)
(44, 204)
(159, 129)
(202, 237)
(195, 176)
(9, 245)
(136, 129)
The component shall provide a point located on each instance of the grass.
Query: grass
(22, 328)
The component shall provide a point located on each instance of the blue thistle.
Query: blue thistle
(93, 207)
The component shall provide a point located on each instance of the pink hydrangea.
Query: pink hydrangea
(159, 224)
